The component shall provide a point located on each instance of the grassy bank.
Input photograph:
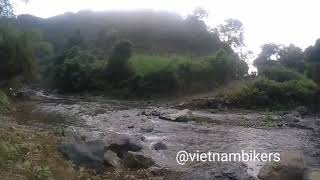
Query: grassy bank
(31, 154)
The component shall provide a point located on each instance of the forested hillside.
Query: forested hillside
(150, 31)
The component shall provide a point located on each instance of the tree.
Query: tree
(17, 54)
(6, 9)
(118, 65)
(268, 56)
(197, 31)
(106, 38)
(312, 55)
(200, 13)
(232, 33)
(292, 57)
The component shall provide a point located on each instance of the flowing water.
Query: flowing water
(96, 116)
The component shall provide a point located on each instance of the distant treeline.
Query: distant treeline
(154, 32)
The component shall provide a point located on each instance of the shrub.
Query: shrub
(8, 153)
(265, 92)
(279, 73)
(42, 173)
(77, 70)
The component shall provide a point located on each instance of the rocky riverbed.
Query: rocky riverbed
(100, 132)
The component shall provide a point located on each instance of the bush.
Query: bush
(279, 73)
(8, 153)
(77, 70)
(268, 93)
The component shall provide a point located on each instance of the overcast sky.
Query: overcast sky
(279, 21)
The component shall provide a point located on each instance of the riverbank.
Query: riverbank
(28, 152)
(146, 131)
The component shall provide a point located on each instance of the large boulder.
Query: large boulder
(119, 143)
(136, 160)
(180, 116)
(158, 146)
(83, 153)
(290, 167)
(95, 153)
(312, 174)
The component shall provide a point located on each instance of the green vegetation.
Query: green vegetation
(79, 70)
(9, 153)
(18, 54)
(280, 74)
(143, 53)
(3, 99)
(269, 93)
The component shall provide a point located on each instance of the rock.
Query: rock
(290, 120)
(88, 154)
(159, 146)
(100, 111)
(114, 149)
(302, 110)
(147, 129)
(119, 143)
(312, 174)
(130, 127)
(180, 116)
(137, 160)
(112, 159)
(155, 113)
(290, 167)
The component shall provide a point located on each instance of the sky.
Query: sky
(265, 21)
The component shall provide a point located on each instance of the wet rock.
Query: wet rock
(290, 167)
(141, 137)
(83, 153)
(302, 110)
(147, 129)
(180, 116)
(100, 111)
(119, 143)
(155, 113)
(159, 146)
(312, 174)
(112, 159)
(136, 160)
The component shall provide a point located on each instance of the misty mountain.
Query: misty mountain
(150, 31)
